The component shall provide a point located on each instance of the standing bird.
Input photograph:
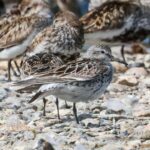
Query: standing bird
(117, 22)
(79, 81)
(54, 46)
(17, 33)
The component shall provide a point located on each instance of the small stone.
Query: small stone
(3, 94)
(63, 112)
(146, 82)
(145, 145)
(115, 87)
(22, 145)
(114, 105)
(16, 105)
(143, 113)
(147, 61)
(127, 80)
(29, 135)
(90, 122)
(142, 132)
(137, 72)
(138, 49)
(113, 146)
(119, 67)
(79, 147)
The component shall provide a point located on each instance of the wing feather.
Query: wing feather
(110, 15)
(15, 31)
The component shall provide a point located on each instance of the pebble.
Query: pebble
(80, 147)
(128, 80)
(147, 61)
(137, 72)
(119, 114)
(3, 94)
(142, 132)
(90, 122)
(29, 135)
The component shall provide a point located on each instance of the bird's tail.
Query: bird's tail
(44, 91)
(36, 96)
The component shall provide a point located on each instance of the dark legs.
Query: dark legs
(44, 108)
(75, 112)
(44, 102)
(57, 105)
(9, 67)
(18, 69)
(122, 52)
(13, 70)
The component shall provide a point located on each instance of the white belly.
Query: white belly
(13, 52)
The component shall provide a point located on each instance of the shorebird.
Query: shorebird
(16, 27)
(117, 22)
(79, 81)
(17, 35)
(26, 8)
(64, 37)
(54, 46)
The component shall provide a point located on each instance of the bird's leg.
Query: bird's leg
(75, 112)
(13, 70)
(57, 105)
(18, 69)
(44, 102)
(114, 126)
(9, 67)
(122, 53)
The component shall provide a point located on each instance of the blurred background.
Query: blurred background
(80, 7)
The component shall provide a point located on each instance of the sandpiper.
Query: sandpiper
(26, 8)
(55, 45)
(117, 22)
(64, 37)
(17, 33)
(79, 81)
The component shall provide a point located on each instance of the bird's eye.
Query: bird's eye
(102, 52)
(28, 9)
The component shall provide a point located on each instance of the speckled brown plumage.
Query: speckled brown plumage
(15, 32)
(117, 22)
(40, 63)
(25, 8)
(110, 15)
(64, 39)
(82, 80)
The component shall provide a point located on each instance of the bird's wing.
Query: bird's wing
(74, 71)
(16, 31)
(40, 40)
(110, 15)
(40, 63)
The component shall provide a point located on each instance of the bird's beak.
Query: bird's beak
(119, 61)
